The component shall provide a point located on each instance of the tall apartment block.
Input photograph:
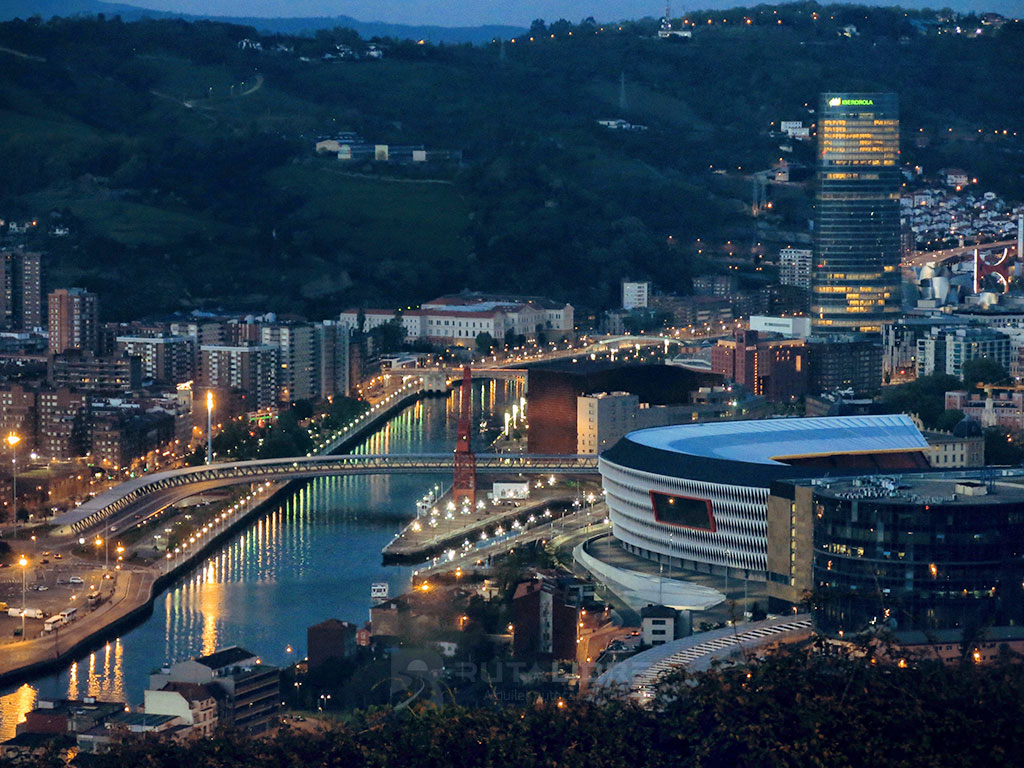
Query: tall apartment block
(855, 281)
(73, 320)
(21, 298)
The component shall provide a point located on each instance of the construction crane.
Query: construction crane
(464, 481)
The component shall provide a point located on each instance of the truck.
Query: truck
(30, 613)
(53, 622)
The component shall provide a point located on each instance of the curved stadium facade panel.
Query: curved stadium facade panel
(696, 495)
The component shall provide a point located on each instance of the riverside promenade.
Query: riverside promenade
(134, 589)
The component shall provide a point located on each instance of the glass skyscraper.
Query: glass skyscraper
(855, 279)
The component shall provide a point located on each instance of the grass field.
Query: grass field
(383, 217)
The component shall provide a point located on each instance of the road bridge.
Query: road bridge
(151, 493)
(960, 253)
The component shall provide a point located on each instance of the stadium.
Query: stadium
(695, 496)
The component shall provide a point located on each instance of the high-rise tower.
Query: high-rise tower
(855, 283)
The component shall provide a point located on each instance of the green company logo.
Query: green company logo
(837, 102)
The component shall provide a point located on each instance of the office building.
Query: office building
(855, 280)
(73, 320)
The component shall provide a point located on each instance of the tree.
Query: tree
(949, 419)
(538, 28)
(925, 397)
(984, 370)
(485, 343)
(1001, 447)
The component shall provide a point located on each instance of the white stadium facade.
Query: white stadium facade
(695, 496)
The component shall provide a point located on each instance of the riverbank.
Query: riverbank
(136, 590)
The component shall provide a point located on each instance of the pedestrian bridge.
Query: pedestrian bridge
(165, 488)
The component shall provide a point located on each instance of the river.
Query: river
(309, 558)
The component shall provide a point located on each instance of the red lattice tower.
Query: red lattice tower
(986, 264)
(464, 483)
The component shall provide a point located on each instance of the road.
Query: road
(130, 590)
(921, 258)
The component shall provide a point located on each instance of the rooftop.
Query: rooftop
(226, 657)
(953, 487)
(772, 441)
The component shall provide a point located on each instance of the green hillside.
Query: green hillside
(184, 166)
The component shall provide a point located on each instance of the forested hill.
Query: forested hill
(306, 25)
(183, 167)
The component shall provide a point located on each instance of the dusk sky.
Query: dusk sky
(474, 12)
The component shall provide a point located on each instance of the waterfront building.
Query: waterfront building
(248, 691)
(855, 280)
(73, 320)
(556, 386)
(195, 705)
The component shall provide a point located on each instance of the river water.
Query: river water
(309, 558)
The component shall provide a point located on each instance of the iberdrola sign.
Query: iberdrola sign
(836, 101)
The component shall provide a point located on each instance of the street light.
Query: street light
(12, 440)
(23, 562)
(209, 426)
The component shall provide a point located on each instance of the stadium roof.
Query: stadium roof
(755, 453)
(771, 441)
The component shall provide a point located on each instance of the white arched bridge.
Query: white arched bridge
(146, 495)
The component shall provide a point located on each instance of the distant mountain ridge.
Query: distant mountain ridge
(12, 9)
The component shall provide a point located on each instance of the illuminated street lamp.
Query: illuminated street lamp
(23, 562)
(209, 426)
(13, 440)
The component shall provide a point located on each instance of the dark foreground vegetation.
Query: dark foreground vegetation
(793, 708)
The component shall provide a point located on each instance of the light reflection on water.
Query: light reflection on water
(311, 558)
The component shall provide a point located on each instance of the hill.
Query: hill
(184, 166)
(299, 25)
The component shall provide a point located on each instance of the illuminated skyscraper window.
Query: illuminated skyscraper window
(855, 283)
